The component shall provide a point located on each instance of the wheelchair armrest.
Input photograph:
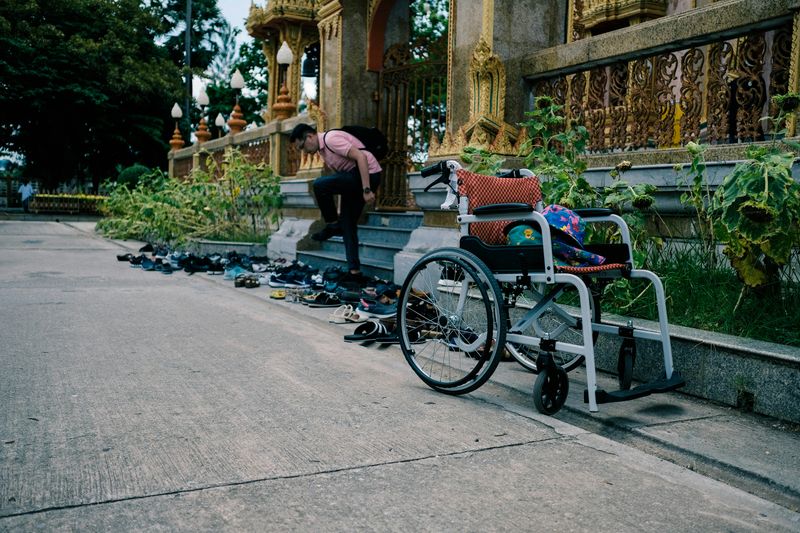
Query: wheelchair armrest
(502, 209)
(593, 212)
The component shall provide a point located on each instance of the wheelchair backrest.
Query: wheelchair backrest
(483, 190)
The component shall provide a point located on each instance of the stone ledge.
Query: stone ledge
(710, 23)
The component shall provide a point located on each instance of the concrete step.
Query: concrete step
(389, 236)
(408, 220)
(324, 259)
(381, 237)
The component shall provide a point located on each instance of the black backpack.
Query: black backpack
(373, 139)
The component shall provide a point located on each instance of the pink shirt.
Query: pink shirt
(334, 144)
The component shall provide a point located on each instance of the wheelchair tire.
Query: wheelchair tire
(451, 321)
(550, 390)
(527, 355)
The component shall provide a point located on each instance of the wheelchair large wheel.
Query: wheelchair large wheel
(557, 320)
(451, 321)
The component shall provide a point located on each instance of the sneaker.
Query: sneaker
(327, 232)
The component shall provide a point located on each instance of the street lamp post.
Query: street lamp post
(219, 122)
(283, 107)
(237, 122)
(202, 132)
(177, 141)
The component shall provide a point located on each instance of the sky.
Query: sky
(236, 11)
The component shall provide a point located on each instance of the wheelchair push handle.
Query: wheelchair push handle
(439, 168)
(447, 176)
(433, 169)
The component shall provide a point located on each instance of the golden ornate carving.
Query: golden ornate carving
(751, 92)
(595, 116)
(617, 99)
(319, 116)
(641, 74)
(262, 22)
(577, 97)
(666, 65)
(594, 13)
(794, 73)
(575, 29)
(488, 83)
(487, 27)
(691, 103)
(721, 58)
(781, 61)
(486, 103)
(330, 20)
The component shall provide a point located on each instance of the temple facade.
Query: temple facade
(645, 77)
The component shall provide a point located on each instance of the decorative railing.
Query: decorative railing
(254, 145)
(66, 203)
(713, 91)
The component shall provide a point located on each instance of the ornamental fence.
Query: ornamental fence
(712, 91)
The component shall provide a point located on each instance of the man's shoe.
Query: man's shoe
(327, 232)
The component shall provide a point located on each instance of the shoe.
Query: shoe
(327, 232)
(233, 272)
(377, 309)
(324, 299)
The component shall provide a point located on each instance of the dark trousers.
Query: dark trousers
(348, 185)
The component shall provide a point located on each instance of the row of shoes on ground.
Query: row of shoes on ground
(347, 287)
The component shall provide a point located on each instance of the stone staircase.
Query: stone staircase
(380, 237)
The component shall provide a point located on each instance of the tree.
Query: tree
(86, 86)
(207, 23)
(251, 63)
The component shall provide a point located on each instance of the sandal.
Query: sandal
(278, 294)
(356, 318)
(340, 315)
(367, 332)
(325, 299)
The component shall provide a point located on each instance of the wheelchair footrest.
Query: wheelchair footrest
(646, 389)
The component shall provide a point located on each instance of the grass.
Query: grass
(705, 296)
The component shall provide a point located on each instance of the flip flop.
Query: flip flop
(278, 294)
(414, 337)
(367, 332)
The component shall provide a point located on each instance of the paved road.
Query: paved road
(139, 401)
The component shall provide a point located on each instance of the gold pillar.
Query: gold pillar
(794, 72)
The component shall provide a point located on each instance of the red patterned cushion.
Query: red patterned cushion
(593, 269)
(486, 190)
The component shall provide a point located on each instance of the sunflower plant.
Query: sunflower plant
(756, 209)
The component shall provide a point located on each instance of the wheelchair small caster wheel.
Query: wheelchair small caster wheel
(550, 390)
(627, 356)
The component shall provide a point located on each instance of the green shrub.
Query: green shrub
(129, 176)
(243, 204)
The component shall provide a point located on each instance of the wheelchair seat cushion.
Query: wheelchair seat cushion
(485, 190)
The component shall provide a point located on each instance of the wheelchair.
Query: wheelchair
(460, 310)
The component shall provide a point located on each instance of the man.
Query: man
(357, 177)
(26, 193)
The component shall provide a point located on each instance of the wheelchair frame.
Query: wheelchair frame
(471, 354)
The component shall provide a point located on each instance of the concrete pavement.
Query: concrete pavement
(141, 401)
